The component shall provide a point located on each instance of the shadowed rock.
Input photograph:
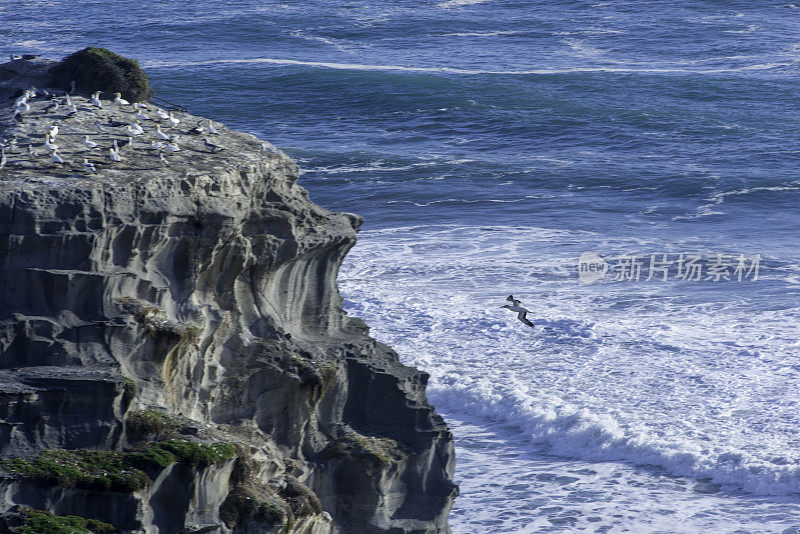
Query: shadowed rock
(207, 286)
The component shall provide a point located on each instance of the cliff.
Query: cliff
(172, 322)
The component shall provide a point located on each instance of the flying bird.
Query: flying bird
(516, 306)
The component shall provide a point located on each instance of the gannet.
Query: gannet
(55, 157)
(139, 115)
(121, 101)
(48, 143)
(161, 113)
(114, 155)
(161, 135)
(162, 158)
(197, 129)
(157, 145)
(24, 106)
(212, 147)
(96, 99)
(54, 130)
(173, 119)
(116, 146)
(135, 129)
(173, 147)
(67, 100)
(211, 128)
(89, 166)
(516, 307)
(21, 100)
(88, 143)
(3, 158)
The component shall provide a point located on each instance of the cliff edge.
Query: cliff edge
(173, 352)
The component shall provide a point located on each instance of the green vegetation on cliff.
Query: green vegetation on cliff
(98, 69)
(114, 471)
(39, 522)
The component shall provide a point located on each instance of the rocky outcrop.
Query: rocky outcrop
(200, 283)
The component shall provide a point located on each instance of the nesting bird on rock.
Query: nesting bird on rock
(211, 128)
(89, 144)
(48, 143)
(119, 100)
(114, 155)
(3, 158)
(89, 166)
(56, 157)
(162, 135)
(96, 99)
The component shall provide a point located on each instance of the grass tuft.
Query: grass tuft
(99, 69)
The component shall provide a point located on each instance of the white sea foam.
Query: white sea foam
(457, 70)
(638, 374)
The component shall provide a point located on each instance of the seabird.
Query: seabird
(88, 143)
(48, 143)
(174, 120)
(161, 113)
(55, 157)
(24, 106)
(134, 129)
(139, 115)
(173, 147)
(161, 135)
(114, 155)
(3, 158)
(515, 306)
(116, 146)
(157, 145)
(162, 158)
(54, 130)
(121, 101)
(211, 128)
(212, 147)
(89, 166)
(21, 100)
(99, 127)
(67, 100)
(96, 99)
(197, 129)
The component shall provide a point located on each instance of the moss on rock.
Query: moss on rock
(39, 522)
(122, 472)
(99, 69)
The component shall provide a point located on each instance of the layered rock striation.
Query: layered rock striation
(189, 298)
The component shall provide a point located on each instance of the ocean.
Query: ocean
(491, 143)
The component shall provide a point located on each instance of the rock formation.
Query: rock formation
(172, 321)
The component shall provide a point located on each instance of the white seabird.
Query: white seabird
(162, 158)
(162, 135)
(55, 157)
(515, 306)
(161, 113)
(173, 119)
(119, 100)
(89, 166)
(89, 144)
(54, 130)
(135, 129)
(211, 128)
(3, 158)
(173, 147)
(96, 99)
(48, 143)
(114, 155)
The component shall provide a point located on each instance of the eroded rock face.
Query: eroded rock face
(208, 281)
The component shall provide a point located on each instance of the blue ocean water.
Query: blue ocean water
(489, 143)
